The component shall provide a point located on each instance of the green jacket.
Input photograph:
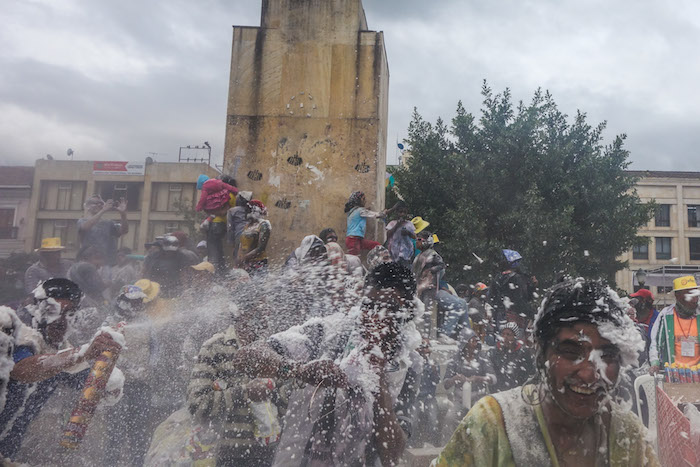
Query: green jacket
(663, 337)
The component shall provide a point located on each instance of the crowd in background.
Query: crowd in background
(226, 356)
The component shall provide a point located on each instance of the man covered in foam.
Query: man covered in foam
(356, 374)
(43, 361)
(567, 413)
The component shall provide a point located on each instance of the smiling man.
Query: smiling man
(567, 414)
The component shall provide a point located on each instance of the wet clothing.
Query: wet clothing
(249, 241)
(217, 395)
(513, 366)
(216, 232)
(235, 223)
(104, 236)
(399, 244)
(502, 428)
(38, 272)
(681, 335)
(356, 245)
(357, 221)
(344, 435)
(428, 267)
(25, 401)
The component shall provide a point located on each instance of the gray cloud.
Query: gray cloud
(117, 80)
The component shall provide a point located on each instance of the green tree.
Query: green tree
(523, 177)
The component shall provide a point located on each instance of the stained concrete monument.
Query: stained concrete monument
(307, 115)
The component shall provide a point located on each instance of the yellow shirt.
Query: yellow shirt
(481, 439)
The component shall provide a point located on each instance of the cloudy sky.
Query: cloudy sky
(119, 80)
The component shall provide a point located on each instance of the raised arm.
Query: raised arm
(92, 220)
(124, 225)
(390, 438)
(41, 367)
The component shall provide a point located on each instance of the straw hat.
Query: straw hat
(51, 244)
(150, 288)
(684, 283)
(204, 266)
(419, 223)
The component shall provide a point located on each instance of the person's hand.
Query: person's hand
(654, 369)
(99, 344)
(108, 206)
(260, 389)
(122, 206)
(459, 380)
(323, 372)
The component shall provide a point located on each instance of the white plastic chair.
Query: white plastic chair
(647, 383)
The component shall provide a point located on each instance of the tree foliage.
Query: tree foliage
(523, 177)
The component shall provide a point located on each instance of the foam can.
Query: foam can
(93, 390)
(667, 371)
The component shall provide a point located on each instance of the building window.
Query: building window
(663, 248)
(663, 216)
(61, 195)
(694, 249)
(173, 197)
(7, 224)
(66, 230)
(662, 290)
(693, 215)
(640, 251)
(130, 191)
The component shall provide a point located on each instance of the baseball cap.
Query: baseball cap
(643, 293)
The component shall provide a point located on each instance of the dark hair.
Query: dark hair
(354, 200)
(575, 301)
(463, 288)
(424, 234)
(325, 233)
(229, 180)
(62, 289)
(392, 276)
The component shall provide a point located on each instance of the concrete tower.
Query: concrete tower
(307, 115)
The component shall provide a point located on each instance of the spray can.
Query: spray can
(675, 377)
(696, 374)
(93, 390)
(681, 373)
(688, 374)
(667, 371)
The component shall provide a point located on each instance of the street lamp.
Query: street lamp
(641, 276)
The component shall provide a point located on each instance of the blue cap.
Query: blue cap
(200, 181)
(512, 255)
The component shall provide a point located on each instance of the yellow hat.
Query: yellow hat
(150, 288)
(419, 223)
(51, 244)
(204, 266)
(684, 283)
(436, 239)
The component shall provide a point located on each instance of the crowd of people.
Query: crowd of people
(339, 356)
